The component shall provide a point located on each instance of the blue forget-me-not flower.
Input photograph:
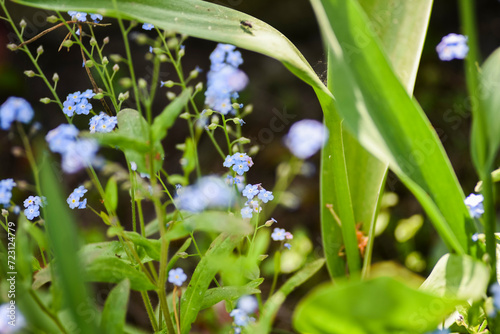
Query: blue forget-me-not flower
(475, 205)
(176, 276)
(306, 137)
(75, 197)
(452, 46)
(15, 109)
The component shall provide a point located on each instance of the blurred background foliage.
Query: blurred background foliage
(404, 235)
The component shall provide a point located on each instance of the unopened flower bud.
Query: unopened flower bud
(215, 119)
(143, 83)
(141, 38)
(181, 147)
(45, 100)
(168, 83)
(105, 61)
(29, 74)
(185, 115)
(5, 213)
(163, 57)
(67, 43)
(123, 96)
(52, 19)
(39, 50)
(199, 86)
(89, 63)
(93, 42)
(22, 24)
(116, 58)
(18, 152)
(243, 140)
(55, 77)
(183, 255)
(254, 150)
(105, 40)
(98, 96)
(193, 74)
(12, 46)
(125, 82)
(182, 52)
(235, 106)
(212, 126)
(116, 67)
(171, 95)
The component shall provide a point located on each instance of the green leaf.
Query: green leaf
(114, 270)
(115, 309)
(489, 85)
(111, 194)
(188, 161)
(401, 27)
(379, 113)
(458, 276)
(274, 303)
(133, 125)
(382, 305)
(64, 242)
(230, 293)
(166, 119)
(120, 140)
(192, 299)
(216, 221)
(151, 246)
(203, 20)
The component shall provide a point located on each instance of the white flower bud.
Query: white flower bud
(55, 77)
(29, 74)
(93, 42)
(22, 24)
(199, 86)
(39, 50)
(105, 61)
(116, 67)
(143, 83)
(105, 40)
(45, 100)
(171, 95)
(52, 19)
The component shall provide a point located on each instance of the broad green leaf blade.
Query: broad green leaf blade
(115, 309)
(459, 277)
(64, 242)
(490, 104)
(132, 124)
(273, 304)
(401, 27)
(382, 305)
(192, 299)
(216, 221)
(114, 270)
(166, 119)
(203, 20)
(111, 194)
(123, 141)
(230, 293)
(382, 116)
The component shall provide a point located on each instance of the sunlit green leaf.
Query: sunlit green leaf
(382, 305)
(115, 309)
(166, 119)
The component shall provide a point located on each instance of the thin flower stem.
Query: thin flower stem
(277, 266)
(129, 58)
(45, 310)
(174, 297)
(227, 135)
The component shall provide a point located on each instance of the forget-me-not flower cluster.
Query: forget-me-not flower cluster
(452, 46)
(6, 187)
(32, 206)
(15, 109)
(254, 193)
(306, 137)
(147, 26)
(78, 103)
(475, 205)
(224, 80)
(75, 198)
(208, 192)
(246, 306)
(102, 123)
(280, 234)
(76, 153)
(177, 276)
(240, 162)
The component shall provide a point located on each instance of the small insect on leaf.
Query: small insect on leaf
(246, 24)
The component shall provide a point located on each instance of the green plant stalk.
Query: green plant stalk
(129, 58)
(365, 270)
(34, 169)
(277, 268)
(149, 310)
(45, 310)
(468, 19)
